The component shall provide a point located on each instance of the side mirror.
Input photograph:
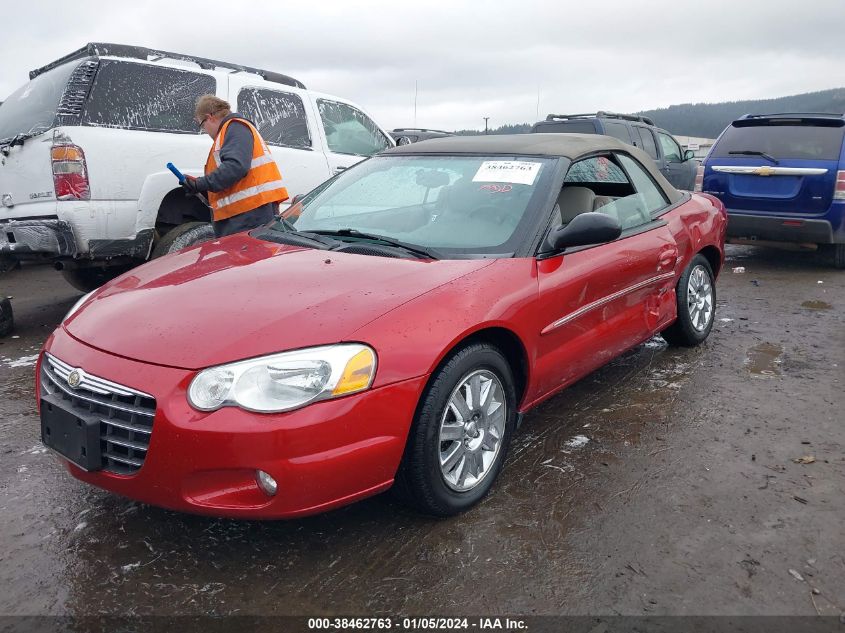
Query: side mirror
(583, 230)
(689, 154)
(403, 140)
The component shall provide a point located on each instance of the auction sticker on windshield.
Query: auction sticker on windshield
(518, 172)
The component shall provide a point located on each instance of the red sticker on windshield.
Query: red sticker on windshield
(496, 188)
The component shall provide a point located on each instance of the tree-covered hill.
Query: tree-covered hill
(709, 119)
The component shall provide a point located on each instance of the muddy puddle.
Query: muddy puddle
(816, 305)
(609, 410)
(764, 359)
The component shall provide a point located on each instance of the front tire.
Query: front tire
(461, 433)
(696, 297)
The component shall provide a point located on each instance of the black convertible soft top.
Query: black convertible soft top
(571, 146)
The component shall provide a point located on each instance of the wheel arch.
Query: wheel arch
(503, 339)
(713, 257)
(176, 209)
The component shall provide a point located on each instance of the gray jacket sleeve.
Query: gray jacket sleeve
(235, 159)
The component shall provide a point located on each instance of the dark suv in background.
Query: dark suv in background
(782, 180)
(405, 135)
(673, 162)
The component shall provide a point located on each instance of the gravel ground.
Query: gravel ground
(670, 482)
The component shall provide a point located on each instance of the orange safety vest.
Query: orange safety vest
(262, 183)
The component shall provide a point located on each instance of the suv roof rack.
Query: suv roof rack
(99, 49)
(418, 129)
(602, 114)
(794, 115)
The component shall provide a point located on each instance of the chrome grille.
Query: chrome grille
(126, 415)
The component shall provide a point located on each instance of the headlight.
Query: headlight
(77, 304)
(285, 381)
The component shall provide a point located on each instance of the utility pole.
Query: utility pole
(485, 124)
(415, 103)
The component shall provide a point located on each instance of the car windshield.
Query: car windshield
(457, 205)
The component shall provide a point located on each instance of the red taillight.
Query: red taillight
(699, 178)
(70, 174)
(839, 190)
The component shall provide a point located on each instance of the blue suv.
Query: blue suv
(782, 180)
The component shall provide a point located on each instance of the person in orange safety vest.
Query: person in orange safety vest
(242, 181)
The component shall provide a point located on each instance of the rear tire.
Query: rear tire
(183, 236)
(837, 252)
(7, 319)
(460, 436)
(696, 297)
(91, 278)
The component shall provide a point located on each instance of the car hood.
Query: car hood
(241, 297)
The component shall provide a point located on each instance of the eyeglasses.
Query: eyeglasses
(202, 121)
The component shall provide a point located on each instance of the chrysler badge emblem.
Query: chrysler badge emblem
(75, 378)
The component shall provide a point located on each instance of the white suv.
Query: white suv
(84, 147)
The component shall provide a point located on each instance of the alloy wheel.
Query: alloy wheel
(471, 430)
(700, 298)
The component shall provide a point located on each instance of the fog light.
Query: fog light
(266, 483)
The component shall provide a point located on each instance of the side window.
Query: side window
(145, 97)
(647, 141)
(600, 184)
(279, 116)
(350, 131)
(671, 150)
(648, 191)
(617, 130)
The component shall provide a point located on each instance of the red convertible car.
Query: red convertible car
(391, 330)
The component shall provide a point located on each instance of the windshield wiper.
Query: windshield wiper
(7, 143)
(411, 248)
(752, 152)
(283, 225)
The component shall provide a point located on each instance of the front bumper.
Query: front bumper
(323, 456)
(37, 237)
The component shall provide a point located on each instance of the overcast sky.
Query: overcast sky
(471, 59)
